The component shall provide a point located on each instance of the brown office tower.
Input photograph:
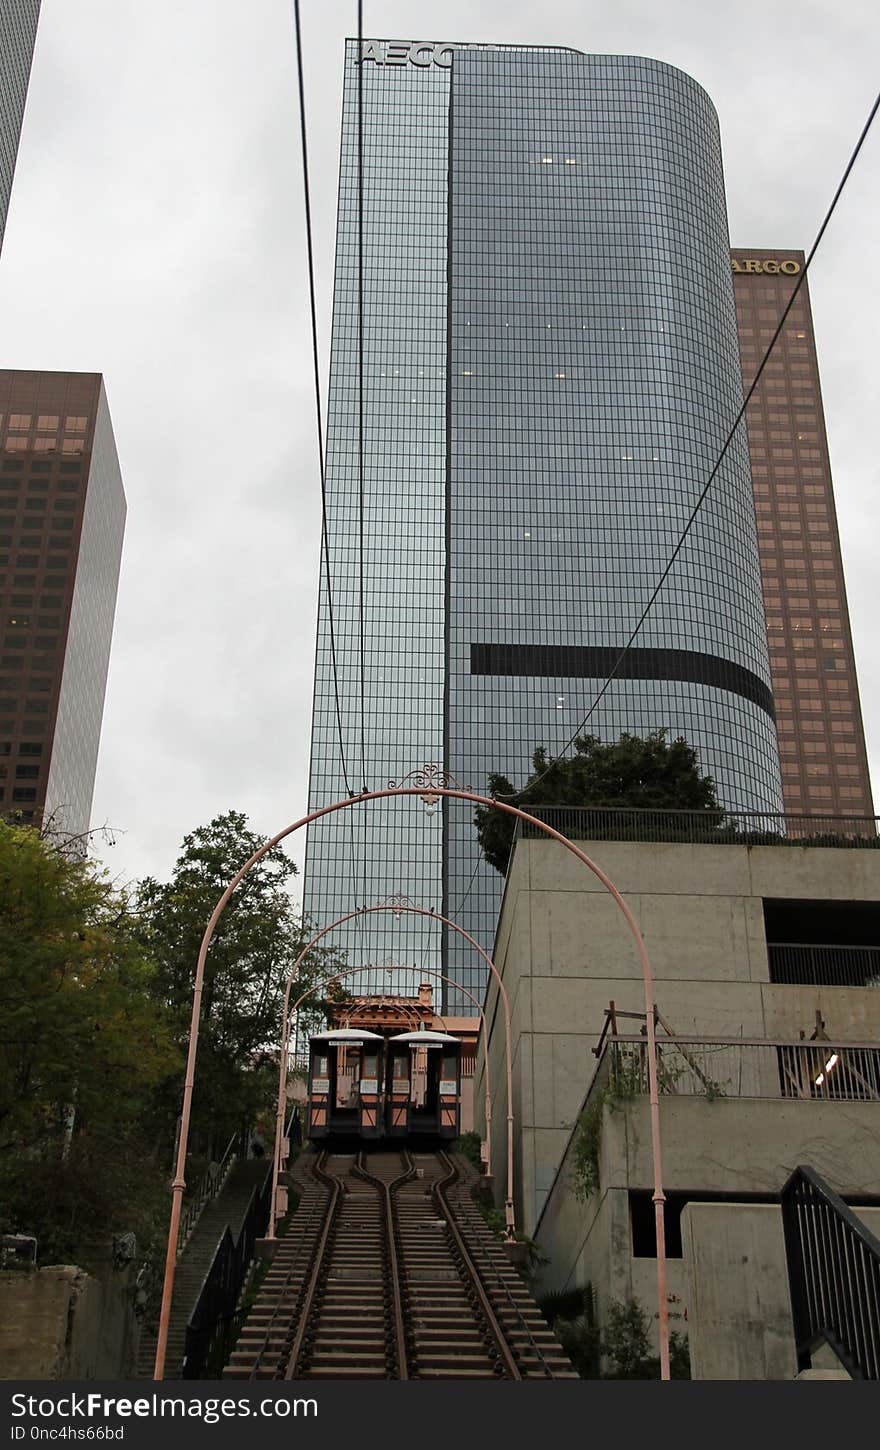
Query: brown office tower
(818, 716)
(62, 517)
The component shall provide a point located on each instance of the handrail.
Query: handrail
(831, 964)
(826, 946)
(719, 1040)
(810, 1069)
(714, 827)
(207, 1188)
(834, 1276)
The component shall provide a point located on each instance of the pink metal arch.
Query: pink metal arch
(274, 1211)
(430, 792)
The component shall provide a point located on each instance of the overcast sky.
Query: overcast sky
(156, 235)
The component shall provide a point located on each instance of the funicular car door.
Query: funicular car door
(371, 1114)
(319, 1092)
(450, 1093)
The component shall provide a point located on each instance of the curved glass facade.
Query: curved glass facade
(556, 294)
(594, 375)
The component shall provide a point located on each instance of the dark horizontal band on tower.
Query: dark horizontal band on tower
(595, 662)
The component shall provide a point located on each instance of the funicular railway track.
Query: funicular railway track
(389, 1272)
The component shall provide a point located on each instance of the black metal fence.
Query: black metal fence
(212, 1325)
(834, 1276)
(824, 965)
(719, 1067)
(716, 828)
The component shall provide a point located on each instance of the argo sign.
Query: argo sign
(406, 52)
(769, 267)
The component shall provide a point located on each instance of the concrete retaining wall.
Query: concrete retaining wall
(564, 951)
(737, 1290)
(59, 1323)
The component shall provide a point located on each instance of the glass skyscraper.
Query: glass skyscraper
(62, 520)
(551, 367)
(18, 33)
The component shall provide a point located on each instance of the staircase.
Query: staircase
(227, 1208)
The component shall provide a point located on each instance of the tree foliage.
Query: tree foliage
(84, 1044)
(624, 1343)
(255, 945)
(647, 773)
(95, 998)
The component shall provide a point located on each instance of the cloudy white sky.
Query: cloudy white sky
(156, 235)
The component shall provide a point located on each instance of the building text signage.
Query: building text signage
(406, 52)
(768, 267)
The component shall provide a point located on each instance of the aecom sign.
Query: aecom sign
(406, 52)
(768, 267)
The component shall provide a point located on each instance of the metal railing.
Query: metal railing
(207, 1188)
(742, 1067)
(834, 1276)
(824, 964)
(212, 1324)
(716, 828)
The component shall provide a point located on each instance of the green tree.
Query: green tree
(647, 773)
(257, 940)
(84, 1044)
(624, 1342)
(626, 1345)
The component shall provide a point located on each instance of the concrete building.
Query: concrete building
(62, 519)
(815, 687)
(527, 394)
(766, 962)
(18, 34)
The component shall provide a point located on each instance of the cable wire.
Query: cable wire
(360, 297)
(360, 330)
(325, 543)
(709, 481)
(470, 884)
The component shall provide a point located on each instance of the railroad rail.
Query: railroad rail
(389, 1271)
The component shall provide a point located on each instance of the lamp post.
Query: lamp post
(429, 785)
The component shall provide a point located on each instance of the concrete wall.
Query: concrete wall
(60, 1323)
(734, 1146)
(564, 952)
(737, 1291)
(729, 1291)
